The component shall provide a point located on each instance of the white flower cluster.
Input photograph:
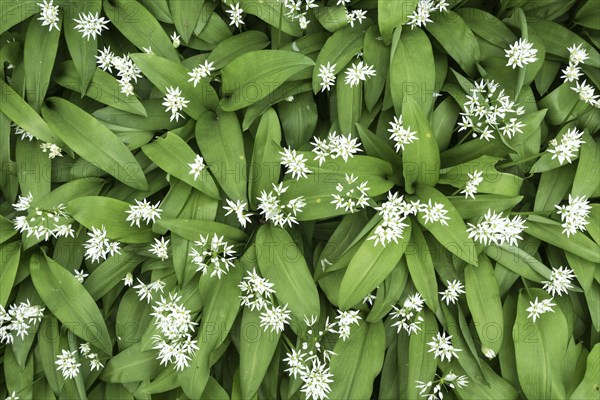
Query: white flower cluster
(408, 316)
(442, 347)
(240, 208)
(90, 25)
(497, 229)
(344, 320)
(490, 110)
(273, 209)
(127, 71)
(294, 163)
(351, 196)
(49, 15)
(400, 135)
(52, 150)
(574, 215)
(98, 246)
(453, 290)
(215, 253)
(421, 16)
(434, 212)
(143, 210)
(17, 320)
(42, 223)
(474, 181)
(22, 133)
(358, 73)
(520, 53)
(298, 10)
(327, 75)
(67, 364)
(201, 71)
(174, 322)
(86, 351)
(560, 281)
(569, 145)
(275, 318)
(356, 16)
(257, 292)
(335, 146)
(174, 103)
(586, 92)
(160, 248)
(446, 382)
(235, 15)
(537, 308)
(197, 166)
(394, 211)
(147, 291)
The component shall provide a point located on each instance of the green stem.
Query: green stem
(526, 287)
(518, 162)
(465, 137)
(569, 114)
(280, 23)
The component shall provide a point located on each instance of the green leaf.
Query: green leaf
(420, 265)
(358, 361)
(254, 75)
(10, 254)
(190, 229)
(66, 298)
(185, 15)
(93, 142)
(131, 365)
(235, 46)
(270, 11)
(17, 11)
(280, 261)
(369, 266)
(588, 388)
(265, 166)
(173, 155)
(421, 364)
(393, 14)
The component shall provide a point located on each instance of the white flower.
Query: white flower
(560, 281)
(520, 54)
(52, 150)
(488, 353)
(359, 72)
(201, 71)
(327, 75)
(18, 320)
(216, 253)
(577, 54)
(294, 163)
(351, 197)
(98, 246)
(85, 348)
(280, 213)
(569, 145)
(574, 215)
(175, 103)
(441, 346)
(146, 291)
(369, 299)
(497, 229)
(23, 202)
(474, 181)
(275, 318)
(13, 396)
(235, 15)
(512, 127)
(90, 25)
(295, 361)
(176, 39)
(571, 73)
(586, 93)
(143, 210)
(80, 275)
(23, 133)
(344, 320)
(453, 291)
(127, 71)
(401, 135)
(393, 213)
(408, 316)
(95, 363)
(343, 2)
(49, 15)
(128, 280)
(356, 16)
(434, 212)
(147, 50)
(159, 248)
(256, 291)
(422, 15)
(197, 166)
(43, 223)
(335, 146)
(316, 381)
(105, 59)
(240, 209)
(537, 308)
(67, 364)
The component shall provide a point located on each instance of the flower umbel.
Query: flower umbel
(560, 281)
(520, 54)
(175, 103)
(215, 253)
(400, 135)
(90, 25)
(441, 346)
(574, 215)
(49, 14)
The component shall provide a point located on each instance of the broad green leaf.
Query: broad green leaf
(173, 155)
(393, 14)
(10, 254)
(369, 266)
(519, 261)
(588, 388)
(483, 299)
(586, 180)
(469, 208)
(93, 141)
(280, 261)
(220, 140)
(131, 365)
(452, 236)
(271, 12)
(358, 361)
(254, 75)
(111, 272)
(68, 301)
(265, 166)
(349, 106)
(185, 15)
(420, 266)
(299, 118)
(17, 11)
(190, 229)
(235, 46)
